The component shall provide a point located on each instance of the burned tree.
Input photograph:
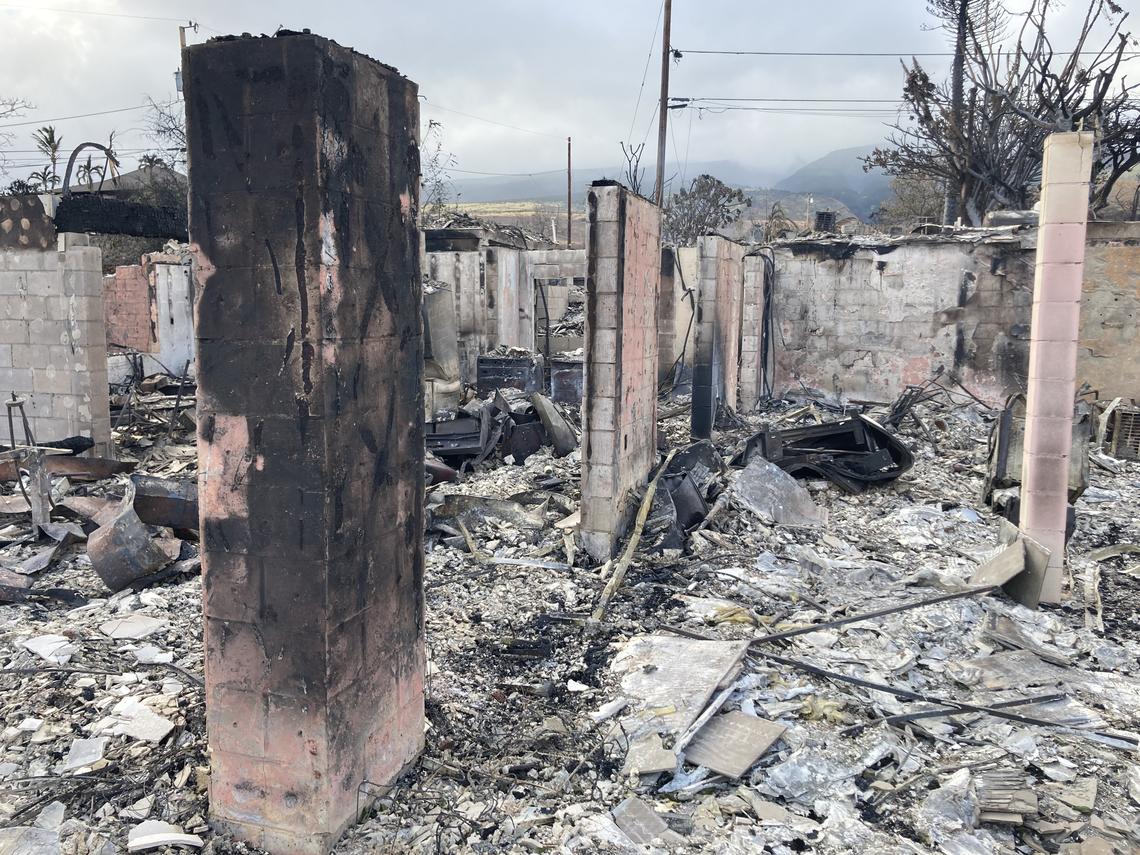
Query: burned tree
(1016, 97)
(707, 206)
(10, 108)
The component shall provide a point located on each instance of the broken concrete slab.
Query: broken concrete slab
(774, 495)
(643, 825)
(673, 678)
(730, 744)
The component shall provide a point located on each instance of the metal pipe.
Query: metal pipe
(1053, 347)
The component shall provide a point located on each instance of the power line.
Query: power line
(69, 118)
(799, 100)
(507, 174)
(20, 8)
(850, 53)
(432, 106)
(645, 73)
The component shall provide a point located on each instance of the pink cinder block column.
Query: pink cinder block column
(304, 174)
(619, 405)
(1053, 347)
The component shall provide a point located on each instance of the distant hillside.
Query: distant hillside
(551, 187)
(840, 175)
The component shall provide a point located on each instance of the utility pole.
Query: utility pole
(569, 192)
(957, 73)
(663, 118)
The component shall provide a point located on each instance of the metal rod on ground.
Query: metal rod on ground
(856, 729)
(178, 400)
(642, 515)
(831, 624)
(663, 109)
(905, 694)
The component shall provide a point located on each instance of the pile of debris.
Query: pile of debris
(800, 648)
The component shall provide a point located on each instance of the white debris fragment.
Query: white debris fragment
(153, 834)
(56, 649)
(134, 626)
(84, 754)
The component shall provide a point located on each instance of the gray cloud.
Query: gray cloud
(561, 68)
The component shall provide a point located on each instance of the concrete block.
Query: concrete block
(339, 655)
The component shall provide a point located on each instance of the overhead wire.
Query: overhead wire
(645, 72)
(852, 53)
(432, 106)
(31, 122)
(22, 8)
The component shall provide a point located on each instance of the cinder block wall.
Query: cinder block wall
(53, 346)
(863, 321)
(129, 309)
(304, 194)
(716, 359)
(149, 308)
(619, 407)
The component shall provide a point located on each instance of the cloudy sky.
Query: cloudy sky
(552, 68)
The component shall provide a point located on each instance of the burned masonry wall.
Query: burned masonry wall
(53, 348)
(862, 320)
(303, 166)
(716, 358)
(149, 309)
(619, 409)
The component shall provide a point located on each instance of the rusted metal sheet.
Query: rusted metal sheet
(161, 501)
(75, 468)
(122, 551)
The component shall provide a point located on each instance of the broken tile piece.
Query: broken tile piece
(27, 840)
(153, 834)
(83, 753)
(673, 677)
(133, 626)
(730, 744)
(648, 756)
(56, 649)
(642, 824)
(1080, 795)
(139, 721)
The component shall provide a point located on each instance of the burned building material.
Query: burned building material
(310, 437)
(523, 372)
(716, 360)
(853, 452)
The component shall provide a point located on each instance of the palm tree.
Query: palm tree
(49, 145)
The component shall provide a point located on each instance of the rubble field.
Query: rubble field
(712, 689)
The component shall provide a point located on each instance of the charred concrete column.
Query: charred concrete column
(1054, 332)
(716, 360)
(619, 407)
(303, 167)
(752, 343)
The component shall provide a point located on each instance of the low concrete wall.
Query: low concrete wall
(53, 345)
(863, 320)
(494, 294)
